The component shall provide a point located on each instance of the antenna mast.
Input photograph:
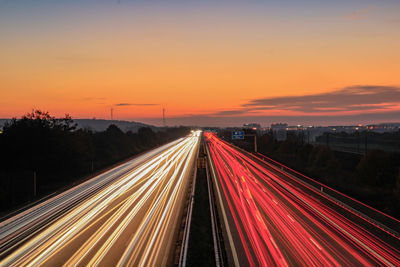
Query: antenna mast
(163, 117)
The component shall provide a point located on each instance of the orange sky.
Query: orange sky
(83, 61)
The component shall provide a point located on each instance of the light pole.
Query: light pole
(255, 141)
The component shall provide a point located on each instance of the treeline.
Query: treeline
(373, 178)
(59, 154)
(361, 141)
(386, 138)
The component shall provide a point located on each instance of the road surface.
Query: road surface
(126, 216)
(270, 222)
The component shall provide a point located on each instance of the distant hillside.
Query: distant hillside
(101, 125)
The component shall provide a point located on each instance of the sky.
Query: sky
(215, 63)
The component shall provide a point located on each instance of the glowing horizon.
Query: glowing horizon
(196, 59)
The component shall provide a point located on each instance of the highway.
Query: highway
(269, 221)
(127, 216)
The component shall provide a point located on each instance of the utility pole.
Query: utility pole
(366, 142)
(163, 117)
(111, 111)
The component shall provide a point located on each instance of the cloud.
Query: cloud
(361, 98)
(350, 105)
(230, 112)
(359, 14)
(312, 119)
(93, 98)
(135, 104)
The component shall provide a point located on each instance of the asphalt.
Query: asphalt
(273, 222)
(126, 216)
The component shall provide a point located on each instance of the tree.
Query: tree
(59, 153)
(397, 186)
(266, 143)
(147, 136)
(304, 153)
(41, 119)
(373, 168)
(287, 148)
(324, 161)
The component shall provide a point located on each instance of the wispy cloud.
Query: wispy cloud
(93, 98)
(312, 119)
(349, 105)
(360, 13)
(230, 112)
(361, 98)
(135, 104)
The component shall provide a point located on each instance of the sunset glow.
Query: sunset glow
(195, 59)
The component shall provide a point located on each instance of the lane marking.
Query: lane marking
(228, 230)
(315, 243)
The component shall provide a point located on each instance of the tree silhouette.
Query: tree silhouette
(373, 169)
(59, 153)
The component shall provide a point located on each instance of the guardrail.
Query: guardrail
(231, 257)
(188, 221)
(379, 219)
(217, 248)
(374, 216)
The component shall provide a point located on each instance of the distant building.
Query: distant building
(310, 133)
(252, 126)
(279, 131)
(384, 127)
(296, 128)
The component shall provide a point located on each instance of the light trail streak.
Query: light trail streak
(279, 224)
(130, 221)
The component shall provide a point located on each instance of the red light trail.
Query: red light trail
(279, 224)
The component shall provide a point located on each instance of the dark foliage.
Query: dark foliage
(363, 141)
(200, 252)
(374, 169)
(59, 154)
